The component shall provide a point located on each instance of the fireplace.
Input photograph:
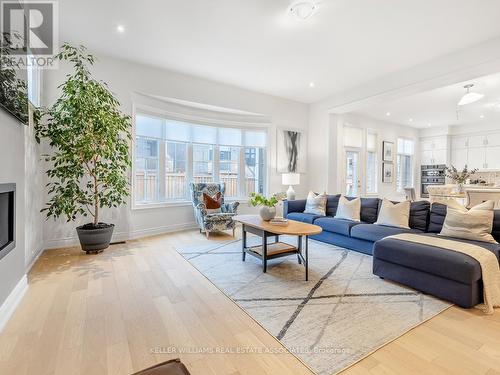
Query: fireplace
(7, 218)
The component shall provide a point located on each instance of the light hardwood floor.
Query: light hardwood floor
(123, 310)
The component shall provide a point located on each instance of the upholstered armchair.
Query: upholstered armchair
(212, 222)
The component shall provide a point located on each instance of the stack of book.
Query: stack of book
(279, 221)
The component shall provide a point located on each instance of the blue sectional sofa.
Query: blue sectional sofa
(443, 273)
(359, 236)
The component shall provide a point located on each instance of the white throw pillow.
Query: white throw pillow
(316, 204)
(349, 209)
(475, 224)
(394, 214)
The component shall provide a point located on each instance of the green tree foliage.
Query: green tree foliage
(90, 138)
(13, 90)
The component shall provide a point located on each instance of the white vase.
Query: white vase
(267, 213)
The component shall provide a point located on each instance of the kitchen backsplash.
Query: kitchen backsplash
(489, 177)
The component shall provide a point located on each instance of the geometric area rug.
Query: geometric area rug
(342, 314)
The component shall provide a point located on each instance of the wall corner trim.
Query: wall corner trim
(12, 301)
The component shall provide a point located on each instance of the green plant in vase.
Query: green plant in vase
(268, 205)
(459, 176)
(89, 160)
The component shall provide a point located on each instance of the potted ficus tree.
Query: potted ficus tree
(89, 159)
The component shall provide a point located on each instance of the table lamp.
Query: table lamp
(290, 179)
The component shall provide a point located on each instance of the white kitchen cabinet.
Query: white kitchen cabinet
(426, 145)
(492, 157)
(440, 156)
(459, 157)
(477, 157)
(459, 142)
(426, 157)
(493, 140)
(440, 143)
(477, 140)
(434, 150)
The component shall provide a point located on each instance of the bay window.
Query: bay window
(170, 154)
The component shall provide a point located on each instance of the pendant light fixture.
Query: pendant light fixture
(470, 97)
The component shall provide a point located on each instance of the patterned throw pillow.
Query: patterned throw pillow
(213, 204)
(394, 214)
(316, 204)
(475, 224)
(349, 209)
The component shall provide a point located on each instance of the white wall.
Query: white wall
(12, 266)
(19, 164)
(33, 196)
(125, 79)
(326, 142)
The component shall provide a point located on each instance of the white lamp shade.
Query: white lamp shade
(290, 178)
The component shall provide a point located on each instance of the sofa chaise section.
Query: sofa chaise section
(444, 273)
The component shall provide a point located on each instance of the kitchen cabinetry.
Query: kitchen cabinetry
(434, 150)
(481, 151)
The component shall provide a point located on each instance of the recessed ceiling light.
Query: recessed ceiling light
(481, 116)
(388, 114)
(429, 125)
(120, 28)
(410, 119)
(311, 84)
(303, 9)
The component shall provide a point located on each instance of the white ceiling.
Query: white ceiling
(439, 107)
(256, 45)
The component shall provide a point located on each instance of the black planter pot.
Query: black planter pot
(95, 239)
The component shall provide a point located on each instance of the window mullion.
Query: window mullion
(216, 161)
(242, 174)
(161, 172)
(189, 168)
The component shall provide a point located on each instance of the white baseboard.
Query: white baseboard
(121, 236)
(33, 260)
(73, 241)
(161, 230)
(11, 302)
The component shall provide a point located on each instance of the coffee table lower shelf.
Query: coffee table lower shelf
(267, 251)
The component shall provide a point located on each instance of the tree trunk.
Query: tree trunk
(96, 203)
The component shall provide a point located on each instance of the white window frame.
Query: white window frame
(412, 163)
(153, 112)
(376, 171)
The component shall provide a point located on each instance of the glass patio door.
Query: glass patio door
(352, 173)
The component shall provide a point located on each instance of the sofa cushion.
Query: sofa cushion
(374, 232)
(339, 226)
(475, 224)
(496, 226)
(369, 209)
(436, 218)
(438, 214)
(419, 215)
(394, 214)
(349, 209)
(434, 260)
(300, 216)
(332, 202)
(315, 204)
